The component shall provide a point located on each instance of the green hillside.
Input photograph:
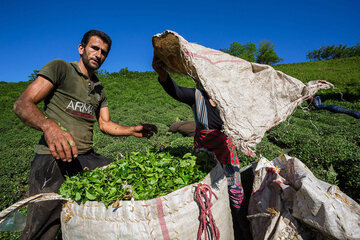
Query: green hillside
(328, 143)
(344, 73)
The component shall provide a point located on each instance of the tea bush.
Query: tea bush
(319, 138)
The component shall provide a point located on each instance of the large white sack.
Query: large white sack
(319, 204)
(174, 216)
(289, 202)
(251, 97)
(270, 205)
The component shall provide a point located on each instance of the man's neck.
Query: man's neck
(84, 70)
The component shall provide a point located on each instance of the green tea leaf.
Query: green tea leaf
(90, 196)
(178, 181)
(77, 196)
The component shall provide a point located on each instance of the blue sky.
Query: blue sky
(35, 32)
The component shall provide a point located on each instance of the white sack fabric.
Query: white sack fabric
(251, 97)
(174, 216)
(289, 202)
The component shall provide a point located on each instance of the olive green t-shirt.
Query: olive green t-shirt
(72, 103)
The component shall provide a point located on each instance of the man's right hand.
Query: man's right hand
(60, 142)
(159, 67)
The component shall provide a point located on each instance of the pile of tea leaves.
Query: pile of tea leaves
(150, 175)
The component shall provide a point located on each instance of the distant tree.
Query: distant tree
(340, 51)
(245, 51)
(102, 73)
(317, 54)
(267, 54)
(33, 75)
(124, 70)
(333, 52)
(310, 55)
(355, 50)
(327, 52)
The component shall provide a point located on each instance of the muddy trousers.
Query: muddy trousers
(46, 175)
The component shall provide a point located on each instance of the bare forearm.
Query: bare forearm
(61, 143)
(31, 115)
(109, 127)
(115, 129)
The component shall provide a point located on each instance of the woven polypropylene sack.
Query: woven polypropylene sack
(174, 216)
(319, 204)
(251, 97)
(269, 206)
(289, 202)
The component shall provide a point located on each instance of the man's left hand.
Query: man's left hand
(145, 130)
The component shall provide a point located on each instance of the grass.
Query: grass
(343, 73)
(328, 143)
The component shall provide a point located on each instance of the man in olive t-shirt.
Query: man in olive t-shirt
(74, 103)
(74, 100)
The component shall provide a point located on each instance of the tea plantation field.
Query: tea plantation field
(328, 143)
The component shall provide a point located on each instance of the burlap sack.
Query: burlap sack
(251, 97)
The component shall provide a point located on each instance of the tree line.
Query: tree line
(333, 52)
(265, 54)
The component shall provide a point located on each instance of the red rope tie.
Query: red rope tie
(203, 196)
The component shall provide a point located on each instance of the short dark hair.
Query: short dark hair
(100, 34)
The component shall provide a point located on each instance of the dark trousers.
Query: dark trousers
(335, 108)
(46, 175)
